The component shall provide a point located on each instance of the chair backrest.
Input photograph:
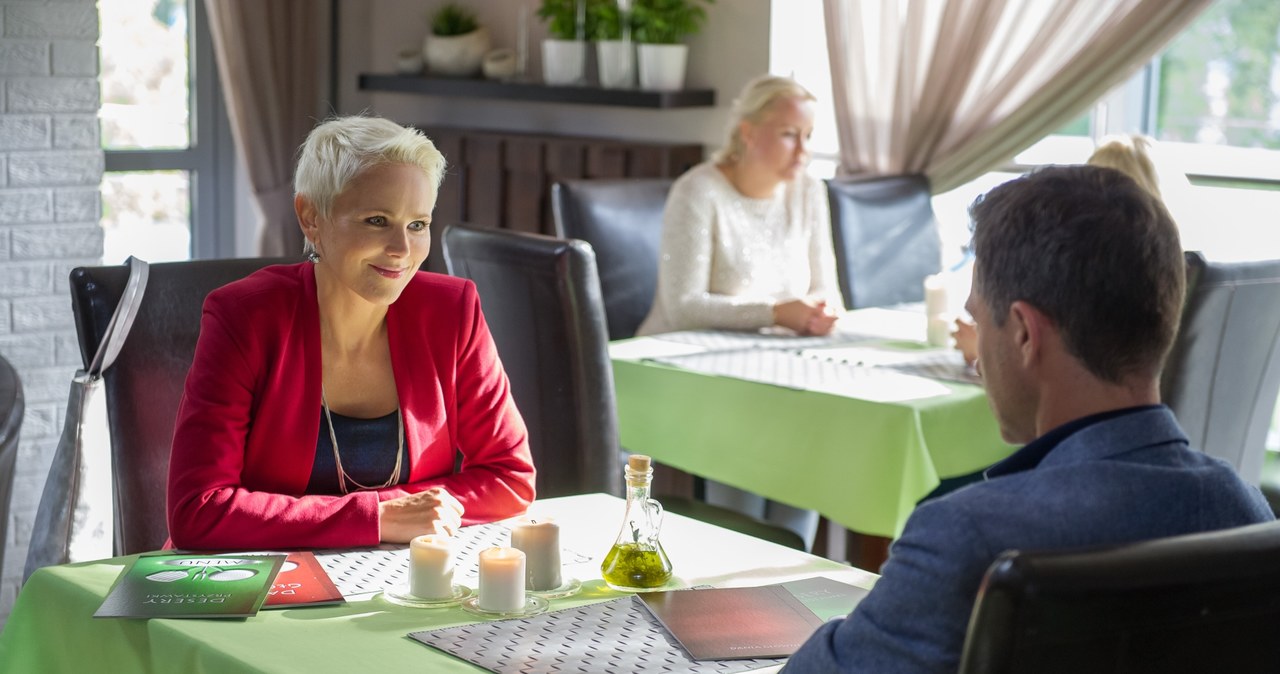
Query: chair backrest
(541, 299)
(622, 220)
(1206, 602)
(145, 385)
(11, 411)
(886, 239)
(1223, 373)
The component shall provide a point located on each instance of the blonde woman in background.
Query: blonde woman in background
(746, 237)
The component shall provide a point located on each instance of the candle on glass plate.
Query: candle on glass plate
(502, 579)
(539, 540)
(431, 562)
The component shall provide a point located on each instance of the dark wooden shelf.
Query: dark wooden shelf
(536, 91)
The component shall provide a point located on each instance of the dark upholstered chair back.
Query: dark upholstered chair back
(541, 299)
(12, 408)
(1223, 373)
(622, 220)
(145, 385)
(886, 239)
(1205, 602)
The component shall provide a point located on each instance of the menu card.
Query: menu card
(191, 586)
(734, 622)
(302, 581)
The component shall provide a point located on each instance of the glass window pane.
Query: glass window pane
(1220, 79)
(148, 214)
(145, 101)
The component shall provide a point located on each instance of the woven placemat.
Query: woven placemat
(618, 635)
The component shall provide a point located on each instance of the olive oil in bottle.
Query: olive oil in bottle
(637, 562)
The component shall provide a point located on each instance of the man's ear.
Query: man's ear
(1030, 327)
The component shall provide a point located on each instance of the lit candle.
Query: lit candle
(539, 540)
(431, 567)
(501, 580)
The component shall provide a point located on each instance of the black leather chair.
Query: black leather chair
(1223, 374)
(1206, 602)
(144, 386)
(886, 239)
(12, 408)
(541, 299)
(622, 220)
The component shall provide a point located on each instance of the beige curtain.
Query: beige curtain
(272, 56)
(953, 88)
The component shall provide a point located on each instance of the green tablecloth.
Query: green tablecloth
(859, 462)
(52, 629)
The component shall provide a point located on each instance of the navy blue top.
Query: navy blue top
(368, 448)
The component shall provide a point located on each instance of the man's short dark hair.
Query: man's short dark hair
(1096, 253)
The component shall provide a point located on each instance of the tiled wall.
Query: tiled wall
(50, 170)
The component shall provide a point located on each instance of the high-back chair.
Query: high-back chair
(1206, 602)
(886, 239)
(541, 299)
(1223, 373)
(145, 385)
(622, 220)
(12, 408)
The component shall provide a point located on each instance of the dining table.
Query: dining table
(52, 628)
(858, 425)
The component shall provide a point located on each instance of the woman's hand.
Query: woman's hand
(806, 317)
(433, 511)
(966, 336)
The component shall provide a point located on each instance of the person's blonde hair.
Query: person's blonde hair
(1131, 155)
(341, 148)
(750, 106)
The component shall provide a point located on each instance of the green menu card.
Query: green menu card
(191, 586)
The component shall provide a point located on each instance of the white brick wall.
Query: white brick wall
(50, 170)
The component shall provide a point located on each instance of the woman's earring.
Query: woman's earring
(313, 257)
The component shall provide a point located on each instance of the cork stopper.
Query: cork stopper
(638, 463)
(638, 471)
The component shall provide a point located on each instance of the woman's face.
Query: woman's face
(377, 233)
(779, 141)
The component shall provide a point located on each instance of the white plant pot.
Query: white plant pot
(456, 55)
(662, 66)
(563, 61)
(616, 62)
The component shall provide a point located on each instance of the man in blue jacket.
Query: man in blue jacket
(1077, 293)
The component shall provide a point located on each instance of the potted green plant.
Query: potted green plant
(658, 27)
(615, 52)
(456, 44)
(564, 52)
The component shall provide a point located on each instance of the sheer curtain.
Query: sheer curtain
(272, 55)
(952, 88)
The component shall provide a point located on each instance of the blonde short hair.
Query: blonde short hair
(750, 106)
(1131, 155)
(341, 148)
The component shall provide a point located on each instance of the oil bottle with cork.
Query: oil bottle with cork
(637, 562)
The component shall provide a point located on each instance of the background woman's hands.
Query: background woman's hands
(433, 511)
(806, 317)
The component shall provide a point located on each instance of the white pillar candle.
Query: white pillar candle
(431, 561)
(501, 580)
(539, 540)
(937, 310)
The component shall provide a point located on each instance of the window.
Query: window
(167, 141)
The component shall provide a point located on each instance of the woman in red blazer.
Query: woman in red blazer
(327, 400)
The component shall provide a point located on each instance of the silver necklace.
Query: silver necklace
(343, 478)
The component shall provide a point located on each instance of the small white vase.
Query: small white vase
(616, 63)
(662, 66)
(563, 61)
(456, 55)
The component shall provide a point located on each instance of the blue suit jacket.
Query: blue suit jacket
(1119, 480)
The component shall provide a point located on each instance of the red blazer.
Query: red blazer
(246, 431)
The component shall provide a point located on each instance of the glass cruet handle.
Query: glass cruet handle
(653, 513)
